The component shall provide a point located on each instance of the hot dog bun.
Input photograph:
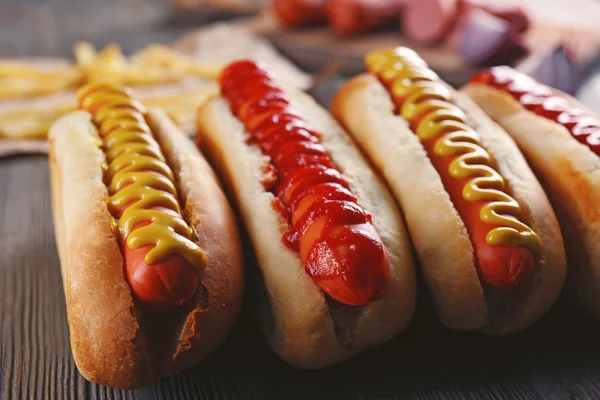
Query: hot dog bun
(304, 327)
(111, 337)
(438, 233)
(568, 171)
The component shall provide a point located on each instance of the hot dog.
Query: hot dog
(560, 138)
(351, 17)
(428, 21)
(293, 13)
(149, 249)
(485, 234)
(330, 244)
(141, 189)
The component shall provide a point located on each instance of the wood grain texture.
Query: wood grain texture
(559, 358)
(51, 27)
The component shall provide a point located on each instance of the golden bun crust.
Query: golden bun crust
(300, 324)
(570, 173)
(437, 231)
(207, 209)
(105, 334)
(109, 342)
(363, 106)
(523, 186)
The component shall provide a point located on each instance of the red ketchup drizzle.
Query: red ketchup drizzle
(334, 236)
(540, 100)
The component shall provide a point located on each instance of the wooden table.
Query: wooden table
(559, 358)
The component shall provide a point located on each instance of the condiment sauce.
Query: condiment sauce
(505, 247)
(334, 236)
(542, 101)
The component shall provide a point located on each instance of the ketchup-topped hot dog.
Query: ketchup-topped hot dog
(337, 243)
(149, 250)
(487, 239)
(560, 138)
(330, 245)
(584, 126)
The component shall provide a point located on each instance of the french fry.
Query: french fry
(190, 98)
(84, 53)
(173, 59)
(154, 65)
(29, 129)
(46, 114)
(14, 88)
(17, 69)
(34, 122)
(135, 76)
(111, 56)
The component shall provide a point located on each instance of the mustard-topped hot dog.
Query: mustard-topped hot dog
(479, 220)
(162, 263)
(505, 248)
(330, 244)
(150, 255)
(560, 138)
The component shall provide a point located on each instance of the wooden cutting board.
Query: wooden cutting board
(313, 48)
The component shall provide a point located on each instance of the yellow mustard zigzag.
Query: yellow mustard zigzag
(138, 177)
(422, 95)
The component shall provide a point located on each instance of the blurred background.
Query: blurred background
(455, 36)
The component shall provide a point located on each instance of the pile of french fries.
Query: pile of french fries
(32, 97)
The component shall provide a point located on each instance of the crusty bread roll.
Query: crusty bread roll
(114, 342)
(303, 326)
(438, 234)
(570, 173)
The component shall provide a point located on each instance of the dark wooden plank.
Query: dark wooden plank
(50, 28)
(556, 359)
(33, 319)
(36, 359)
